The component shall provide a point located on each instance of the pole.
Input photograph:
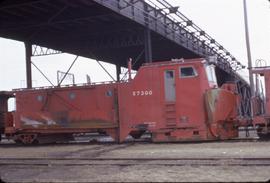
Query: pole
(248, 49)
(249, 58)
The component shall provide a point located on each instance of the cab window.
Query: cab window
(187, 72)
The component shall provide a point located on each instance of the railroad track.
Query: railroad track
(33, 162)
(146, 141)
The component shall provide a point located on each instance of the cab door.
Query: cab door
(169, 85)
(169, 98)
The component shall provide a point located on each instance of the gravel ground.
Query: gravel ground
(146, 150)
(137, 173)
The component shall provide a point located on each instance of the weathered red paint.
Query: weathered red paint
(222, 124)
(174, 101)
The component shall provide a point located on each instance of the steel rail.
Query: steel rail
(86, 141)
(137, 159)
(134, 161)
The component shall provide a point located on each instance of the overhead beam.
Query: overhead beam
(19, 4)
(30, 25)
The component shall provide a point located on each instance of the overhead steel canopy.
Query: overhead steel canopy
(110, 30)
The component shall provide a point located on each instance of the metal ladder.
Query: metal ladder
(170, 115)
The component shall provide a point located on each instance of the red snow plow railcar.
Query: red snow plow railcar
(177, 100)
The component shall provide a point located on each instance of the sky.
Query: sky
(221, 19)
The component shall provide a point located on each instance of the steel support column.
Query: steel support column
(118, 72)
(147, 45)
(28, 54)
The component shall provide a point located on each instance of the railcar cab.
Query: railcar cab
(197, 69)
(177, 100)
